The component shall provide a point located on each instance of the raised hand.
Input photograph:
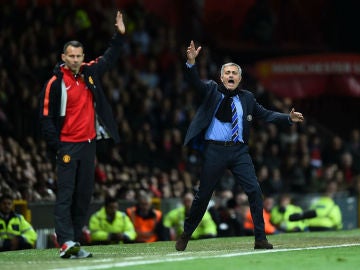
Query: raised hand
(120, 23)
(192, 53)
(296, 116)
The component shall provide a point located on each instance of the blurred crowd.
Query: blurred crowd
(153, 107)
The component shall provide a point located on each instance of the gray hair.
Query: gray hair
(229, 64)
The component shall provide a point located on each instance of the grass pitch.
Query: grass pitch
(307, 251)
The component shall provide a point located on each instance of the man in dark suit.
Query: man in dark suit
(222, 124)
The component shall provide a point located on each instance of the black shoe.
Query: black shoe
(263, 244)
(182, 242)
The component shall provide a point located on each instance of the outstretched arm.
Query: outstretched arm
(192, 53)
(111, 55)
(120, 23)
(191, 75)
(296, 116)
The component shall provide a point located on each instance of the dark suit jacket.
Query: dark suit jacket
(211, 98)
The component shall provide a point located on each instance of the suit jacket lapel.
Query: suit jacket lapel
(243, 104)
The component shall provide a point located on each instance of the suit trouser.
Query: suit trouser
(217, 159)
(75, 186)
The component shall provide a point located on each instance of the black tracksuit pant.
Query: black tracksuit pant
(75, 186)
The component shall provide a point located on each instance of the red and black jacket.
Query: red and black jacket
(53, 103)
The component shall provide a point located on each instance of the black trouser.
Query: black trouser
(19, 244)
(217, 159)
(75, 186)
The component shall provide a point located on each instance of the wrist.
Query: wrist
(290, 120)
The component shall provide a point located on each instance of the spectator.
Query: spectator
(263, 174)
(353, 146)
(259, 23)
(328, 213)
(269, 227)
(111, 226)
(229, 221)
(355, 189)
(174, 220)
(148, 221)
(293, 174)
(16, 233)
(272, 157)
(281, 212)
(315, 151)
(275, 182)
(346, 166)
(333, 151)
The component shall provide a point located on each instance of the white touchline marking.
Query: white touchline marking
(172, 259)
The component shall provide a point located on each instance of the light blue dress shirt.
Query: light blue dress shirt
(221, 131)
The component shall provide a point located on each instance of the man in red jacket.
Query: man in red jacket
(70, 124)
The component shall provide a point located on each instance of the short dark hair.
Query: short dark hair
(6, 197)
(74, 43)
(109, 200)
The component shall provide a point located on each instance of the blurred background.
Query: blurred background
(302, 54)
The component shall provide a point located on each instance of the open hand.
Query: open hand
(296, 116)
(192, 53)
(120, 23)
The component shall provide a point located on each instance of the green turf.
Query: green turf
(307, 251)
